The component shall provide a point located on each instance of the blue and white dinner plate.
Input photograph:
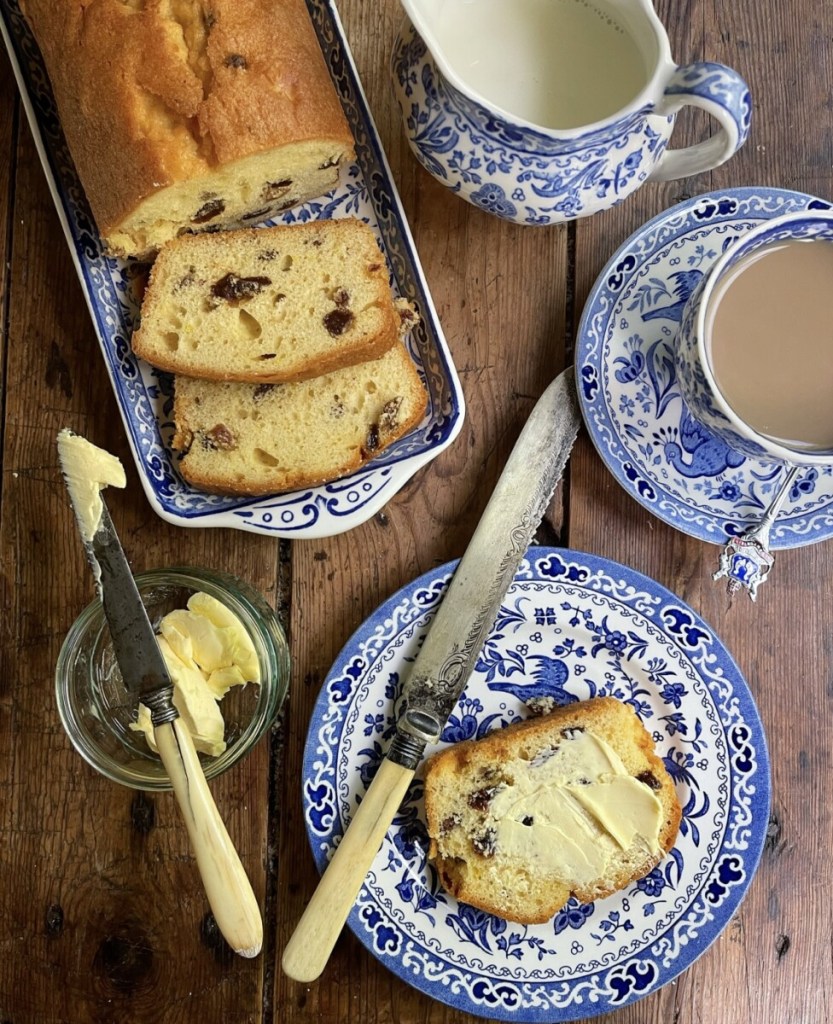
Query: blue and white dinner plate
(145, 397)
(628, 388)
(572, 626)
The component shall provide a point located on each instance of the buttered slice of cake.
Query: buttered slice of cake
(574, 803)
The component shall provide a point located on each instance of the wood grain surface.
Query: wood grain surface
(102, 917)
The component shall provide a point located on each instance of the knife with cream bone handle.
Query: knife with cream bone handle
(146, 678)
(444, 663)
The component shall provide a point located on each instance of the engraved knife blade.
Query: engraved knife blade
(444, 664)
(486, 570)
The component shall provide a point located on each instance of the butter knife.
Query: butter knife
(444, 663)
(147, 680)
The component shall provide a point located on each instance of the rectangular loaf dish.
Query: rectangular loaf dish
(145, 396)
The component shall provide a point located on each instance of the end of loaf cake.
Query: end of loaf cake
(191, 117)
(239, 194)
(572, 803)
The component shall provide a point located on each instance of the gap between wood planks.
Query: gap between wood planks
(5, 316)
(277, 744)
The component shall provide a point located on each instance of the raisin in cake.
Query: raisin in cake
(573, 803)
(264, 438)
(268, 305)
(193, 115)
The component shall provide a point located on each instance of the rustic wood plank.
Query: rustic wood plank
(772, 963)
(104, 917)
(500, 294)
(9, 111)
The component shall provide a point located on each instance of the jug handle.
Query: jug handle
(719, 91)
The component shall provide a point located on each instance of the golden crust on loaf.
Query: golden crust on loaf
(224, 98)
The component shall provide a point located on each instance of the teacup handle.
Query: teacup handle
(719, 91)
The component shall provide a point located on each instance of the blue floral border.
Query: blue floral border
(613, 354)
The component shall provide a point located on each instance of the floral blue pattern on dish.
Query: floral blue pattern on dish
(532, 175)
(510, 170)
(144, 396)
(572, 626)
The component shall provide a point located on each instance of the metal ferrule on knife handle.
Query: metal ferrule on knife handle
(485, 573)
(161, 706)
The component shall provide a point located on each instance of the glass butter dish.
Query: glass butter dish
(98, 713)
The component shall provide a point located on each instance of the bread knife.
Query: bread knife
(146, 679)
(445, 662)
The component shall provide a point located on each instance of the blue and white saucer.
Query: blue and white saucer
(628, 388)
(572, 626)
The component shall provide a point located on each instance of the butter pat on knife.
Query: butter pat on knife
(87, 471)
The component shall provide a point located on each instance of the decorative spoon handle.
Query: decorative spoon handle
(746, 560)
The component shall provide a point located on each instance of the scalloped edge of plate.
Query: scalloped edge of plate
(615, 465)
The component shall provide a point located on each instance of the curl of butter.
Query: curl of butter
(572, 812)
(207, 651)
(87, 470)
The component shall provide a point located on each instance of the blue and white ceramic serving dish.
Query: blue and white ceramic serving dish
(572, 626)
(531, 174)
(145, 397)
(630, 393)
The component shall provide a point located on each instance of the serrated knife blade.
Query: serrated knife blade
(444, 664)
(472, 601)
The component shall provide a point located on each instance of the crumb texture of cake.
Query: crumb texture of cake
(188, 116)
(572, 803)
(269, 305)
(266, 438)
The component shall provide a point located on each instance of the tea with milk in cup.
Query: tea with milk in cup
(770, 348)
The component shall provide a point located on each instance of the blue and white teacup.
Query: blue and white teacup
(523, 172)
(693, 343)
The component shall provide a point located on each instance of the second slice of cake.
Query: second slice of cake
(269, 305)
(266, 438)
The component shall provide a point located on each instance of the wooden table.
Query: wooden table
(102, 917)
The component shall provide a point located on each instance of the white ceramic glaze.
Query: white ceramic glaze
(572, 626)
(530, 174)
(630, 395)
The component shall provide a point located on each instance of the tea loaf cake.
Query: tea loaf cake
(573, 803)
(266, 438)
(268, 304)
(192, 115)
